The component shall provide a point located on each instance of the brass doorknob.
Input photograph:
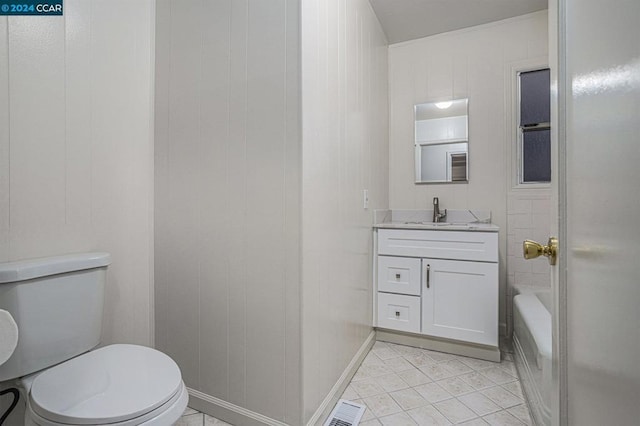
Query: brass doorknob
(532, 249)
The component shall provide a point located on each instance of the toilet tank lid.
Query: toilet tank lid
(28, 269)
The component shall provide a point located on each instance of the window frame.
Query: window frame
(516, 133)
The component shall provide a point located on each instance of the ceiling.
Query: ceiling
(410, 19)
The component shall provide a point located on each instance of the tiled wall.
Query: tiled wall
(472, 63)
(227, 209)
(345, 150)
(529, 215)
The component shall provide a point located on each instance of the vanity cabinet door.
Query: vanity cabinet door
(460, 300)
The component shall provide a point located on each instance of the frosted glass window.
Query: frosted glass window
(534, 141)
(536, 150)
(535, 97)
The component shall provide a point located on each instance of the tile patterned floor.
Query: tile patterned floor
(406, 386)
(192, 417)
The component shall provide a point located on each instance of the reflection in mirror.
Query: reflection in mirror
(442, 141)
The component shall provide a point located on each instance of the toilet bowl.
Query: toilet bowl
(114, 385)
(57, 304)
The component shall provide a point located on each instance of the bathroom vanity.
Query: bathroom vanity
(436, 284)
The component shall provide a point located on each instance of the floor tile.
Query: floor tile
(385, 353)
(375, 370)
(455, 386)
(380, 344)
(391, 382)
(368, 415)
(428, 415)
(502, 397)
(478, 364)
(403, 385)
(399, 419)
(372, 358)
(189, 411)
(437, 371)
(502, 418)
(474, 422)
(477, 380)
(498, 375)
(367, 387)
(408, 399)
(479, 404)
(191, 420)
(455, 410)
(509, 367)
(405, 350)
(382, 405)
(457, 367)
(433, 392)
(212, 421)
(439, 356)
(372, 422)
(419, 359)
(522, 413)
(414, 377)
(515, 388)
(350, 393)
(398, 364)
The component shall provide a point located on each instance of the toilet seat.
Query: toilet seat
(117, 384)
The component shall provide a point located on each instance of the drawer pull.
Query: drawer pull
(397, 314)
(397, 276)
(428, 273)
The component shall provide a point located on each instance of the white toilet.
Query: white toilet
(57, 304)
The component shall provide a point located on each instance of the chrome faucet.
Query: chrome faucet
(437, 216)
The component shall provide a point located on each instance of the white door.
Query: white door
(602, 242)
(460, 300)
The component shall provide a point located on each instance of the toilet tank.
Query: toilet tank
(57, 304)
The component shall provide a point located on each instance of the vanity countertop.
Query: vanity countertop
(442, 226)
(457, 220)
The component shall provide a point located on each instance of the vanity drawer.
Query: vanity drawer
(399, 312)
(459, 245)
(399, 275)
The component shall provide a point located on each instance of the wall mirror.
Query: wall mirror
(442, 141)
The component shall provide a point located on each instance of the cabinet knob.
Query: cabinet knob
(397, 313)
(397, 276)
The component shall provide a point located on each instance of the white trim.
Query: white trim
(336, 391)
(456, 347)
(227, 411)
(512, 94)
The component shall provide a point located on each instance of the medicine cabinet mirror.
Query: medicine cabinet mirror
(442, 141)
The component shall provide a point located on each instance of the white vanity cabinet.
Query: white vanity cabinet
(438, 283)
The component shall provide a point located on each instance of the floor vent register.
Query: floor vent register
(346, 413)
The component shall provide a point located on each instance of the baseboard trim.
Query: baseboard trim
(336, 391)
(227, 411)
(488, 353)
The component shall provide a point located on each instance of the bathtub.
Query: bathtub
(532, 346)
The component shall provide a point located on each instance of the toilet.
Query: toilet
(57, 303)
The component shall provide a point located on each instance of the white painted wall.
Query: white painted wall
(76, 143)
(227, 208)
(345, 150)
(472, 63)
(76, 148)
